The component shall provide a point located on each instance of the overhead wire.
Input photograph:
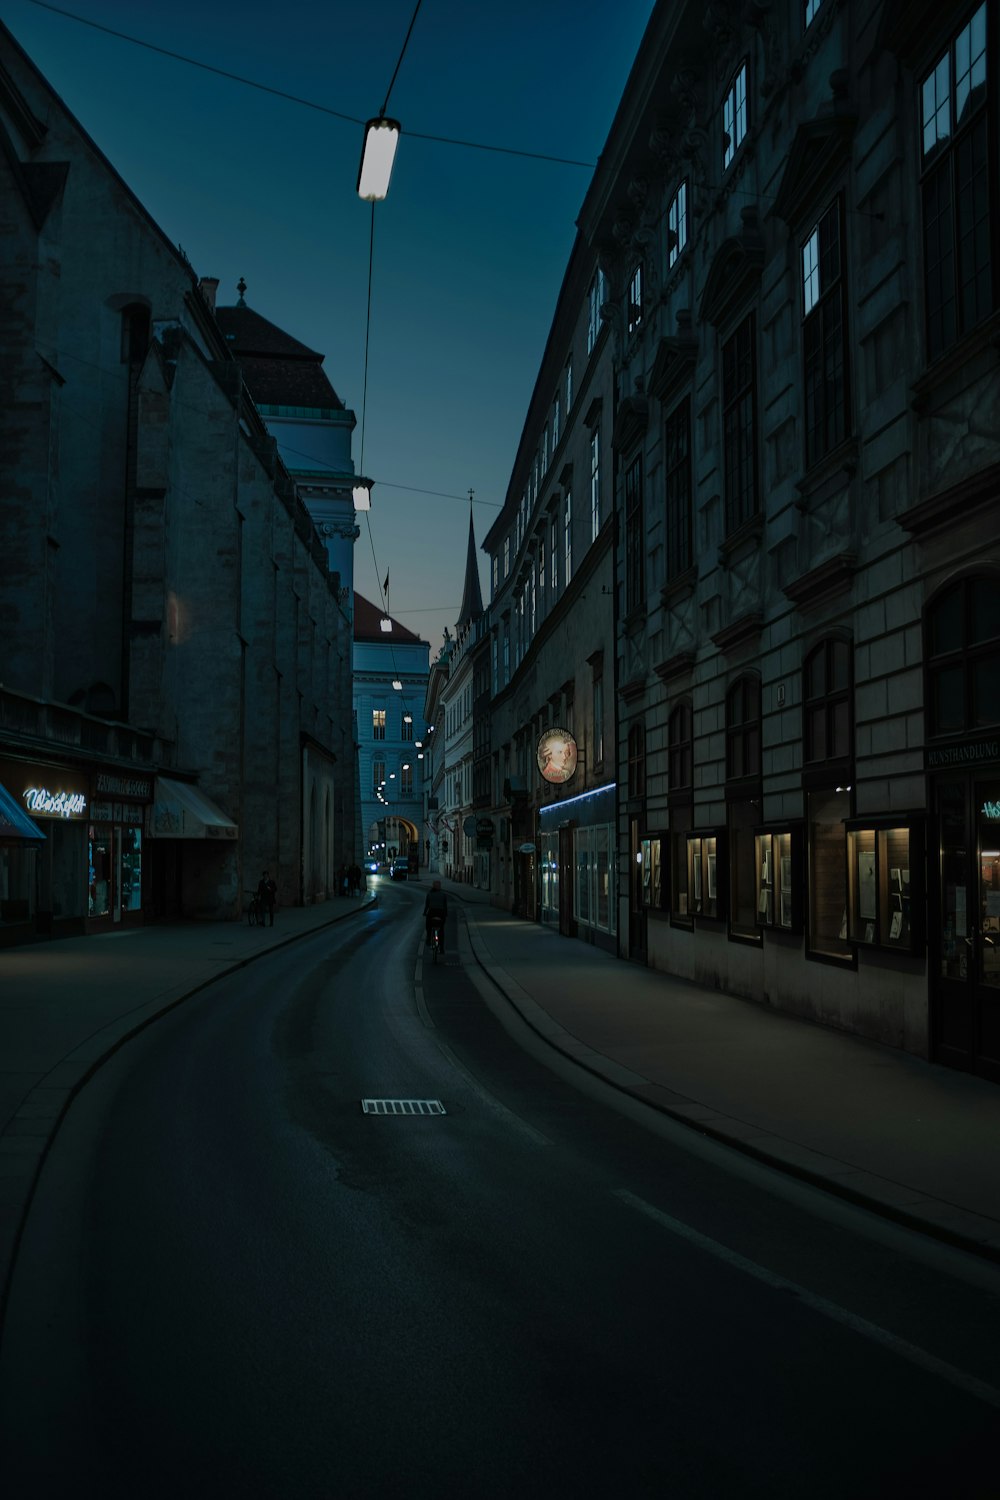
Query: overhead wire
(266, 88)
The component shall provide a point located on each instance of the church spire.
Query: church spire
(472, 597)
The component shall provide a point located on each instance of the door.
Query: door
(965, 926)
(636, 910)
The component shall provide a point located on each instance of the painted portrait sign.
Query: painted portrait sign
(556, 755)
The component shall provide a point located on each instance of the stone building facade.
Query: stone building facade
(174, 646)
(798, 217)
(551, 624)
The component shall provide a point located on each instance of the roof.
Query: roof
(278, 369)
(472, 597)
(367, 627)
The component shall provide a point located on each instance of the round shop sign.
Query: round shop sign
(556, 755)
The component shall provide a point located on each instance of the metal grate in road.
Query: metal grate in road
(402, 1107)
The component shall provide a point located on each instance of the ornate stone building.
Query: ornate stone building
(798, 217)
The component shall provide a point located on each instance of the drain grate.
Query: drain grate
(402, 1107)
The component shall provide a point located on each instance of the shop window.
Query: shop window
(594, 896)
(884, 865)
(704, 850)
(742, 817)
(778, 858)
(826, 815)
(962, 636)
(653, 849)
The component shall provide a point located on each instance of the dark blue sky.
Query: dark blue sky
(470, 246)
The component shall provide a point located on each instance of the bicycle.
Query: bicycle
(255, 910)
(437, 941)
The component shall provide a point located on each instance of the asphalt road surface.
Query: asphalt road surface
(236, 1283)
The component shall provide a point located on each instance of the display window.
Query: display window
(704, 852)
(549, 869)
(884, 865)
(827, 812)
(652, 850)
(594, 896)
(778, 858)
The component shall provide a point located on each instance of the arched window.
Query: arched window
(827, 731)
(681, 758)
(637, 761)
(962, 644)
(743, 728)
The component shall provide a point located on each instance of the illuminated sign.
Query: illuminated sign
(991, 810)
(41, 801)
(556, 755)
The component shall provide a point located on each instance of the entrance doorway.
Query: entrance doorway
(964, 930)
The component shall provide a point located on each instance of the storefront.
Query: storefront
(53, 882)
(576, 853)
(115, 864)
(20, 839)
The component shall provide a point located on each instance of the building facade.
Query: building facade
(800, 234)
(552, 644)
(390, 684)
(174, 646)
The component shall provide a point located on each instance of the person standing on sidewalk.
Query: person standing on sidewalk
(266, 893)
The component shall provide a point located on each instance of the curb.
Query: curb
(643, 1090)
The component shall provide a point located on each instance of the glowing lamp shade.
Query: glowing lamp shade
(362, 494)
(377, 157)
(385, 625)
(397, 684)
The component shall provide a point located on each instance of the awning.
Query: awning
(15, 825)
(181, 811)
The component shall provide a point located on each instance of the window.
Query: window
(506, 657)
(378, 723)
(545, 449)
(884, 876)
(593, 894)
(812, 7)
(496, 664)
(406, 728)
(541, 563)
(826, 813)
(677, 224)
(779, 863)
(634, 299)
(406, 780)
(595, 483)
(679, 737)
(495, 573)
(962, 650)
(506, 556)
(135, 333)
(531, 610)
(567, 538)
(956, 188)
(378, 774)
(734, 116)
(636, 761)
(595, 300)
(569, 387)
(827, 732)
(635, 550)
(739, 404)
(556, 418)
(824, 318)
(554, 554)
(598, 717)
(702, 895)
(677, 446)
(743, 728)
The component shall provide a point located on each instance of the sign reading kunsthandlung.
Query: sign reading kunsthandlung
(970, 753)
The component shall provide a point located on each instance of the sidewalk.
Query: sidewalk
(913, 1141)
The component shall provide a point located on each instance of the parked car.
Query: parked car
(399, 869)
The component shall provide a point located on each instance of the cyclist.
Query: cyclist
(435, 912)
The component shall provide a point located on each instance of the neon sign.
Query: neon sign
(55, 804)
(991, 810)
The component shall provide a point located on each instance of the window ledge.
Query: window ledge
(680, 587)
(748, 627)
(830, 471)
(984, 336)
(748, 531)
(681, 665)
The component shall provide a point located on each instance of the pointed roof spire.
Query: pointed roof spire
(241, 287)
(472, 597)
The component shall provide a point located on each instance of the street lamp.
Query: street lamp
(363, 494)
(377, 156)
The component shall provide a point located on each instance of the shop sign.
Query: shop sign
(556, 755)
(45, 804)
(972, 753)
(526, 849)
(123, 786)
(991, 811)
(484, 828)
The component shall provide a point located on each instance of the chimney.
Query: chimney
(208, 286)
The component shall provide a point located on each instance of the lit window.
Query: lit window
(677, 224)
(824, 303)
(378, 723)
(812, 6)
(734, 116)
(595, 301)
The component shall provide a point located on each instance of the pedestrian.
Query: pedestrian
(355, 877)
(266, 893)
(342, 881)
